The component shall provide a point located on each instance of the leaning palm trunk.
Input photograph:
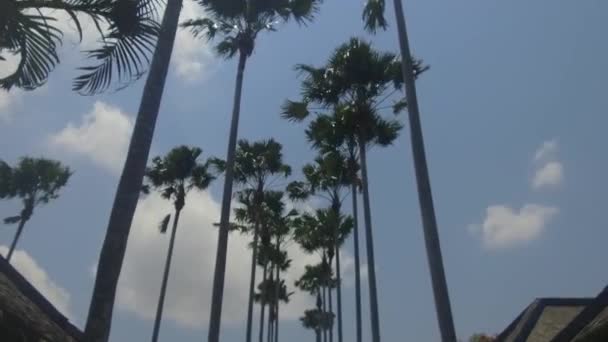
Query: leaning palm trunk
(222, 245)
(373, 294)
(15, 239)
(163, 288)
(254, 256)
(99, 320)
(357, 263)
(263, 304)
(339, 293)
(425, 197)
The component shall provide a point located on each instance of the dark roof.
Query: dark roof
(543, 319)
(591, 321)
(23, 307)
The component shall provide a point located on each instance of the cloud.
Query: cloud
(7, 102)
(546, 151)
(550, 175)
(37, 276)
(190, 55)
(505, 227)
(549, 171)
(102, 136)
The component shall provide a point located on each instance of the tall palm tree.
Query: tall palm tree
(328, 136)
(35, 181)
(374, 18)
(315, 280)
(354, 84)
(258, 165)
(28, 29)
(327, 177)
(99, 319)
(174, 175)
(238, 22)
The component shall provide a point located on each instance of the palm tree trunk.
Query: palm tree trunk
(263, 304)
(425, 197)
(222, 245)
(163, 288)
(15, 239)
(277, 290)
(373, 294)
(324, 312)
(357, 263)
(254, 256)
(270, 310)
(339, 293)
(331, 310)
(99, 320)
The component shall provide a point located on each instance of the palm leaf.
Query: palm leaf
(373, 16)
(164, 224)
(12, 219)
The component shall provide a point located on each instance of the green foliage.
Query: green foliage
(35, 181)
(373, 15)
(238, 22)
(322, 230)
(317, 319)
(35, 37)
(177, 173)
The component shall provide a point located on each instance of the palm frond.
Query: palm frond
(12, 219)
(201, 26)
(126, 50)
(294, 111)
(164, 224)
(35, 39)
(373, 16)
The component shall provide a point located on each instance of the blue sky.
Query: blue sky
(513, 113)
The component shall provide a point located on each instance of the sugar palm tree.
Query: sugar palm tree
(374, 18)
(28, 29)
(354, 84)
(258, 165)
(327, 177)
(328, 136)
(99, 319)
(238, 22)
(35, 181)
(174, 175)
(316, 280)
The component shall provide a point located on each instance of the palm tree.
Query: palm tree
(238, 22)
(326, 177)
(35, 181)
(174, 175)
(374, 18)
(327, 136)
(28, 32)
(257, 166)
(99, 319)
(316, 280)
(354, 84)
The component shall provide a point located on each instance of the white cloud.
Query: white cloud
(103, 136)
(37, 276)
(546, 151)
(190, 55)
(190, 283)
(549, 175)
(7, 103)
(505, 227)
(549, 171)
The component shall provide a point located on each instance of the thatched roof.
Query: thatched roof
(26, 315)
(561, 320)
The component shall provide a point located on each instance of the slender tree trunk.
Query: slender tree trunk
(254, 255)
(318, 335)
(277, 291)
(339, 293)
(163, 287)
(222, 245)
(357, 264)
(15, 240)
(425, 197)
(263, 304)
(270, 311)
(99, 320)
(324, 312)
(331, 310)
(373, 294)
